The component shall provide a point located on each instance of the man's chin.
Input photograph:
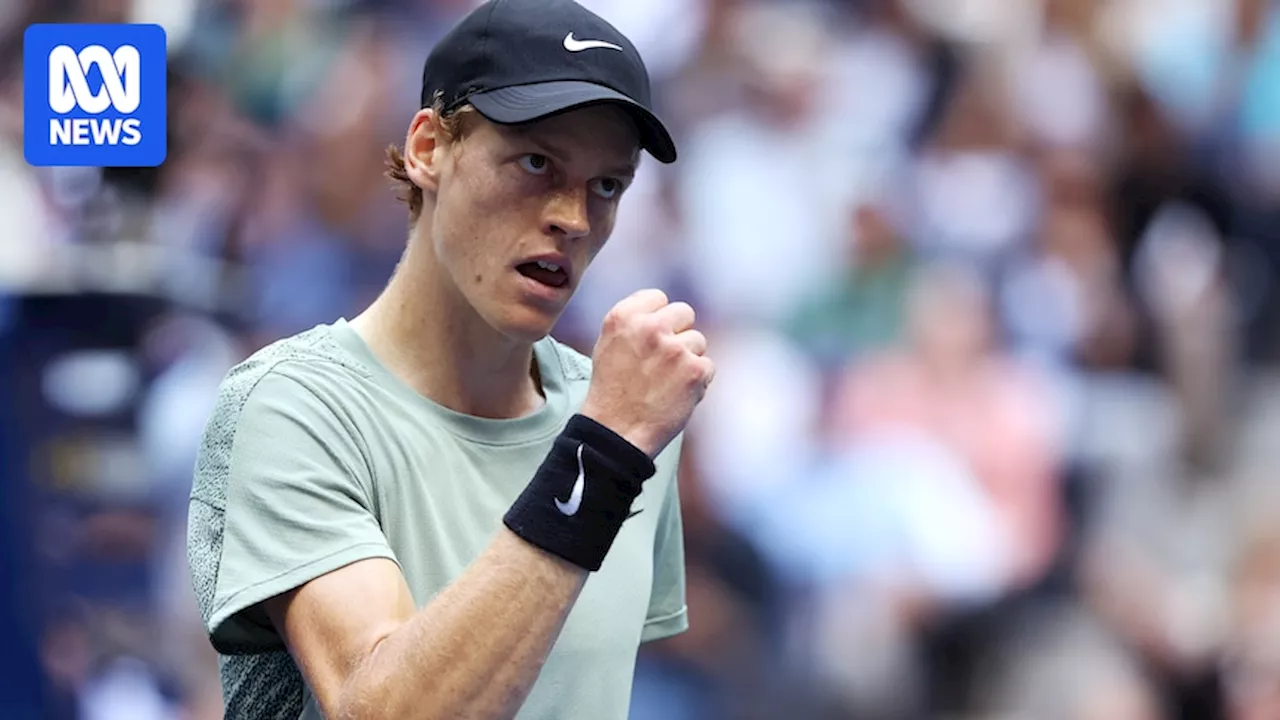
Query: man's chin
(527, 335)
(527, 324)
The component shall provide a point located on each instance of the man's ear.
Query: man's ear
(424, 150)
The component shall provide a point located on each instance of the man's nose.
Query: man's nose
(566, 214)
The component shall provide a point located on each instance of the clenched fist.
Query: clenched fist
(650, 370)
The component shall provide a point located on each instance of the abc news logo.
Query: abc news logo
(121, 90)
(95, 95)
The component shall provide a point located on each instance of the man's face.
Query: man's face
(520, 212)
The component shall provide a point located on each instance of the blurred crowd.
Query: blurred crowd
(993, 287)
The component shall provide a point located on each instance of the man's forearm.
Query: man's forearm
(476, 649)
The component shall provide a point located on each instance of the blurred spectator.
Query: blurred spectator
(759, 428)
(970, 196)
(946, 374)
(861, 309)
(1059, 662)
(66, 655)
(1058, 94)
(1156, 555)
(1251, 666)
(919, 516)
(1062, 299)
(758, 183)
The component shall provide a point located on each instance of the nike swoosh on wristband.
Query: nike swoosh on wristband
(570, 508)
(572, 44)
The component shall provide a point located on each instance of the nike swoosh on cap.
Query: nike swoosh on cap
(572, 44)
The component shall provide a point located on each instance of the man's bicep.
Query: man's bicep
(333, 623)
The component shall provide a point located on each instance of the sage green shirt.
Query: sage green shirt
(316, 456)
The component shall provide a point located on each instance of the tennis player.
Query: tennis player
(436, 510)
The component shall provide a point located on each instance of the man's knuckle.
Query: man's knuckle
(705, 369)
(650, 326)
(673, 347)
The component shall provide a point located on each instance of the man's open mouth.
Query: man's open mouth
(548, 274)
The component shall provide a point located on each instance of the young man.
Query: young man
(436, 510)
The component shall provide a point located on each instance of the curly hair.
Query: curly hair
(452, 123)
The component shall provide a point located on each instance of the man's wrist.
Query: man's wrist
(581, 494)
(624, 456)
(633, 435)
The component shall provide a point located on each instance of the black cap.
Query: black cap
(520, 60)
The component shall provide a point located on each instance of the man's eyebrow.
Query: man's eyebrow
(624, 172)
(530, 134)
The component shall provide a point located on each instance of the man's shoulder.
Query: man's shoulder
(311, 356)
(284, 375)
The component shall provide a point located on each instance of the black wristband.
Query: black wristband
(577, 501)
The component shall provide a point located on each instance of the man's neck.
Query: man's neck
(431, 338)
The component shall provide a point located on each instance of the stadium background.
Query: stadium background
(992, 287)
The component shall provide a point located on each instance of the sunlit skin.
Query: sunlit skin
(458, 320)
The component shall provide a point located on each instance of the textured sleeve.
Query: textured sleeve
(282, 495)
(668, 614)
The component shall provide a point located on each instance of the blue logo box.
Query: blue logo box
(95, 95)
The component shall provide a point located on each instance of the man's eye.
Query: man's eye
(606, 187)
(535, 164)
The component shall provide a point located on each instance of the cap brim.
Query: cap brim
(524, 103)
